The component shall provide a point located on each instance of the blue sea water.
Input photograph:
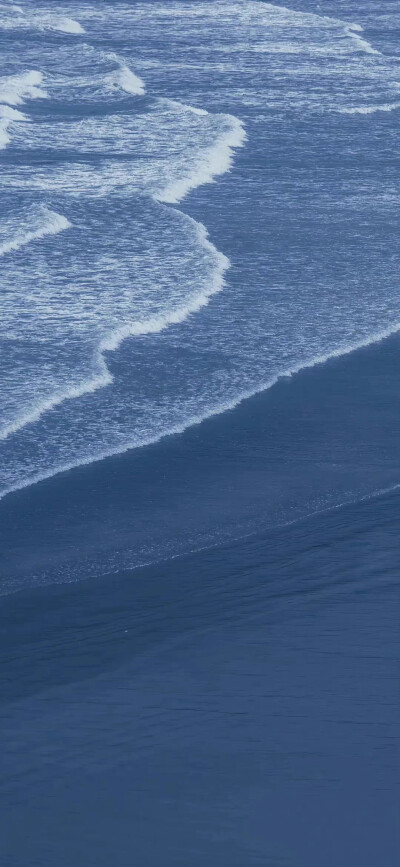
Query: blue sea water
(199, 432)
(112, 117)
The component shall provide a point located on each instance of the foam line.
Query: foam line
(100, 380)
(130, 82)
(111, 342)
(52, 224)
(346, 349)
(217, 160)
(157, 324)
(60, 23)
(370, 109)
(354, 31)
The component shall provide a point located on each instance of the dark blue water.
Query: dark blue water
(199, 434)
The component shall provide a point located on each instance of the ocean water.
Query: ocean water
(199, 433)
(112, 117)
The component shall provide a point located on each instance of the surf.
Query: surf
(16, 17)
(101, 331)
(16, 89)
(163, 149)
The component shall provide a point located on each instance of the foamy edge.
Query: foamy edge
(216, 160)
(370, 109)
(346, 349)
(102, 376)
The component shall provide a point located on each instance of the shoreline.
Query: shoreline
(327, 420)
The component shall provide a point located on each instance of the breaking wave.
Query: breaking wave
(15, 89)
(124, 78)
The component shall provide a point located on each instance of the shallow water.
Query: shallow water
(241, 701)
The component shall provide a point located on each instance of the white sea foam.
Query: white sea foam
(8, 115)
(354, 30)
(215, 160)
(64, 25)
(370, 109)
(356, 27)
(156, 324)
(199, 111)
(4, 136)
(89, 75)
(219, 409)
(99, 380)
(130, 82)
(124, 78)
(184, 149)
(139, 327)
(48, 223)
(15, 89)
(176, 155)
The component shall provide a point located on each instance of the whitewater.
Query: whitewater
(95, 253)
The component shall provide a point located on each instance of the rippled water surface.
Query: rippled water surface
(115, 121)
